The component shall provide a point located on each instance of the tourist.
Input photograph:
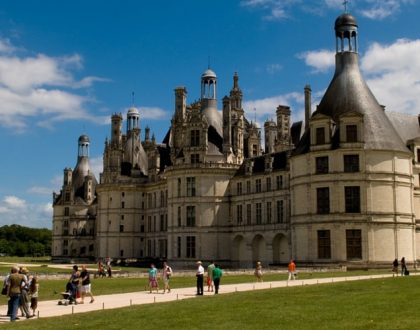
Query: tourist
(24, 297)
(291, 269)
(210, 269)
(200, 276)
(166, 275)
(108, 266)
(86, 286)
(153, 281)
(258, 272)
(14, 291)
(33, 291)
(101, 270)
(395, 267)
(404, 270)
(216, 275)
(74, 284)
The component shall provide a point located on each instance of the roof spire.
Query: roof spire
(345, 3)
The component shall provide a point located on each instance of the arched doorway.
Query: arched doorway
(239, 251)
(258, 248)
(281, 253)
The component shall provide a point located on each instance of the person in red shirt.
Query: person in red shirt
(292, 270)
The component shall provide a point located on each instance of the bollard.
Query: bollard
(131, 302)
(154, 299)
(103, 305)
(38, 314)
(236, 289)
(270, 285)
(72, 309)
(177, 296)
(317, 281)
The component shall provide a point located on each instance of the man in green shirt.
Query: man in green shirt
(217, 274)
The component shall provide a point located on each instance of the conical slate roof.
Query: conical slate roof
(348, 92)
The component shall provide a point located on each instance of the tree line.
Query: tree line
(22, 241)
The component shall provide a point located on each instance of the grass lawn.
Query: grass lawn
(390, 303)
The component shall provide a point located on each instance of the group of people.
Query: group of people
(79, 285)
(104, 269)
(22, 290)
(291, 270)
(404, 270)
(153, 278)
(214, 275)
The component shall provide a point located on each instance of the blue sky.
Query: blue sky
(66, 66)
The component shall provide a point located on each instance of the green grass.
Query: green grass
(390, 303)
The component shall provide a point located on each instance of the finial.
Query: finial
(208, 64)
(132, 99)
(345, 3)
(255, 116)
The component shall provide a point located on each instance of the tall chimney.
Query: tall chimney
(308, 102)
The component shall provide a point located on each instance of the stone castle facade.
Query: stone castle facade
(340, 187)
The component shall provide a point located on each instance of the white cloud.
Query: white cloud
(96, 166)
(152, 113)
(15, 210)
(274, 68)
(380, 9)
(37, 190)
(392, 72)
(280, 9)
(39, 87)
(320, 60)
(266, 108)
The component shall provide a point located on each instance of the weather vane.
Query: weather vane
(345, 3)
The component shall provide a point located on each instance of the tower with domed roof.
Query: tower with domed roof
(350, 173)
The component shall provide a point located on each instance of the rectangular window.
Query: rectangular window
(122, 205)
(239, 188)
(324, 244)
(352, 199)
(321, 165)
(179, 246)
(320, 135)
(162, 222)
(179, 187)
(268, 212)
(354, 243)
(190, 216)
(149, 223)
(254, 150)
(351, 163)
(248, 187)
(258, 213)
(190, 186)
(248, 214)
(195, 158)
(279, 182)
(268, 184)
(121, 253)
(323, 200)
(351, 133)
(121, 228)
(66, 211)
(239, 218)
(418, 155)
(65, 243)
(195, 138)
(258, 185)
(179, 217)
(190, 246)
(280, 211)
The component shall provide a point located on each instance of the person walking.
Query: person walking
(210, 269)
(74, 284)
(24, 297)
(395, 267)
(153, 282)
(108, 266)
(291, 268)
(14, 292)
(33, 292)
(258, 272)
(200, 276)
(86, 285)
(166, 276)
(404, 270)
(217, 274)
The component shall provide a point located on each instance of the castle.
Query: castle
(340, 187)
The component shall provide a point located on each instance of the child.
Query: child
(33, 291)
